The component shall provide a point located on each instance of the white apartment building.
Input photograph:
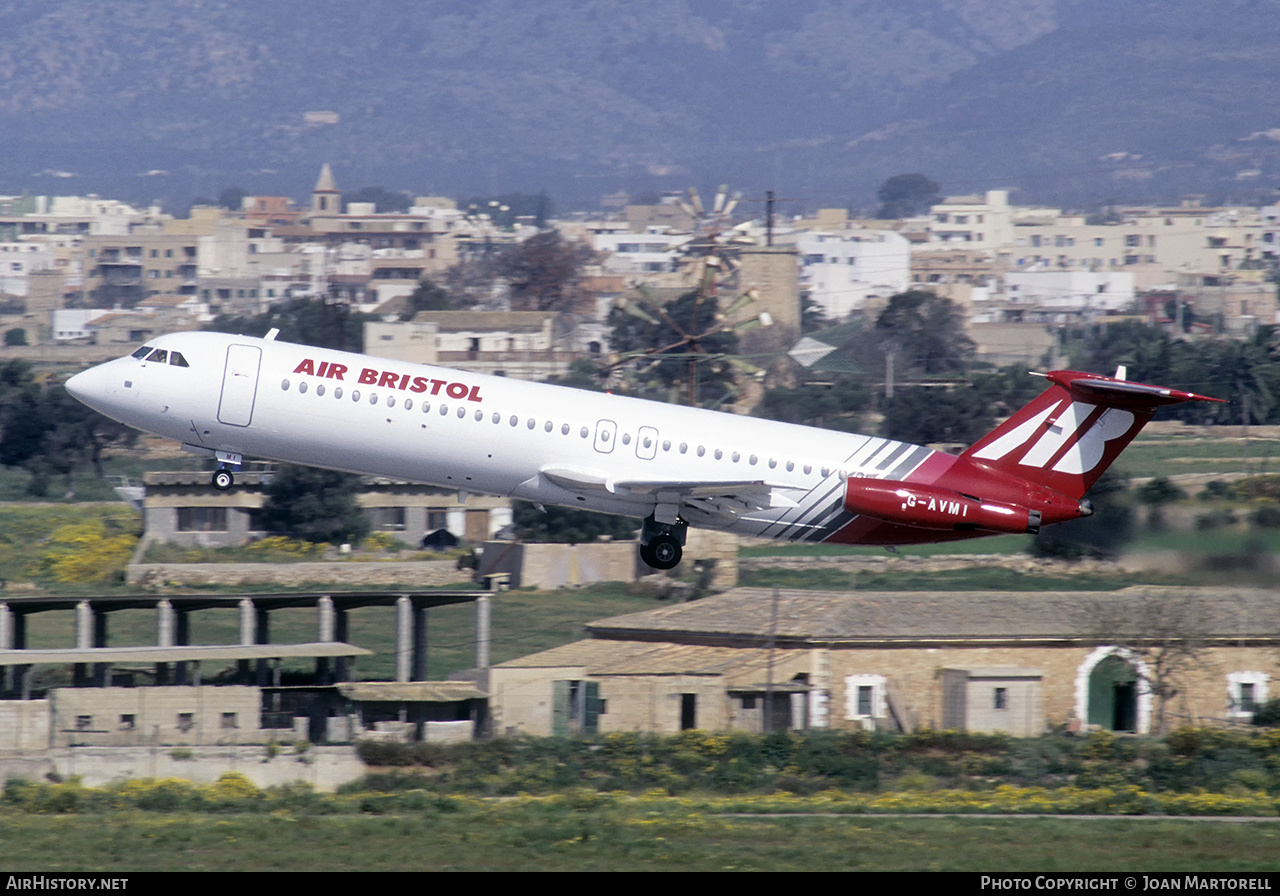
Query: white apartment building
(972, 222)
(1270, 235)
(842, 269)
(530, 345)
(656, 250)
(1074, 291)
(20, 259)
(1154, 244)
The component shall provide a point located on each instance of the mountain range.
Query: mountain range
(1065, 102)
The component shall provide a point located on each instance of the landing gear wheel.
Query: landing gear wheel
(662, 552)
(223, 480)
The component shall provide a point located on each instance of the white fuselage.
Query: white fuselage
(280, 401)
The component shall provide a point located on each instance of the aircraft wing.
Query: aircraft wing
(710, 500)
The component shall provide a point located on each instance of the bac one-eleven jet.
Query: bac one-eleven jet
(232, 397)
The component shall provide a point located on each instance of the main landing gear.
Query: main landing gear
(223, 477)
(662, 544)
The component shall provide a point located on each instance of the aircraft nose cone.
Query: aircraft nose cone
(90, 387)
(78, 385)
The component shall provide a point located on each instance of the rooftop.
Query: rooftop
(746, 616)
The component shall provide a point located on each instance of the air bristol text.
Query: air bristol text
(389, 379)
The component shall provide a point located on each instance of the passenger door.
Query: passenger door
(239, 385)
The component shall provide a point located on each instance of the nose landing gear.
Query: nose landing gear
(662, 544)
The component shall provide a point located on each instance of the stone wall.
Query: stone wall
(324, 768)
(560, 565)
(530, 565)
(347, 572)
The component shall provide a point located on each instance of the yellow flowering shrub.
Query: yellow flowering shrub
(86, 552)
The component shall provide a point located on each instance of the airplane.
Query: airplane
(229, 397)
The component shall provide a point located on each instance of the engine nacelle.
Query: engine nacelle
(932, 507)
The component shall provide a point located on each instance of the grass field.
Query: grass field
(621, 835)
(1160, 455)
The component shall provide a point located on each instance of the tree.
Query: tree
(544, 273)
(46, 432)
(837, 404)
(1103, 534)
(302, 320)
(582, 374)
(905, 195)
(688, 344)
(232, 198)
(813, 317)
(1156, 493)
(564, 525)
(315, 505)
(1146, 352)
(925, 415)
(426, 297)
(384, 200)
(925, 333)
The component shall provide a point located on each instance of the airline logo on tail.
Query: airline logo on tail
(1068, 436)
(1074, 437)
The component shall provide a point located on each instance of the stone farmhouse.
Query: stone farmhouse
(1020, 663)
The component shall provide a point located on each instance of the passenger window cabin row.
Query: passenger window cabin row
(531, 423)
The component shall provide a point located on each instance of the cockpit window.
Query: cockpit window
(160, 356)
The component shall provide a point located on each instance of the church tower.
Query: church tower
(326, 198)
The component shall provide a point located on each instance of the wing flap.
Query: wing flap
(707, 497)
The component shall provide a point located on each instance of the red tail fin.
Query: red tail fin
(1068, 436)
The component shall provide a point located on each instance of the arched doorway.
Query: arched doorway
(1113, 695)
(1109, 691)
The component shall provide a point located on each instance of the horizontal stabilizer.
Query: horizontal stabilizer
(1109, 390)
(1066, 437)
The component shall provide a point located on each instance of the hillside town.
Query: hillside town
(87, 276)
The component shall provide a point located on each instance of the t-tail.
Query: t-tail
(1068, 436)
(1030, 471)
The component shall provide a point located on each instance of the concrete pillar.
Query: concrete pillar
(404, 637)
(164, 624)
(164, 637)
(246, 637)
(246, 622)
(482, 641)
(325, 621)
(325, 625)
(83, 627)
